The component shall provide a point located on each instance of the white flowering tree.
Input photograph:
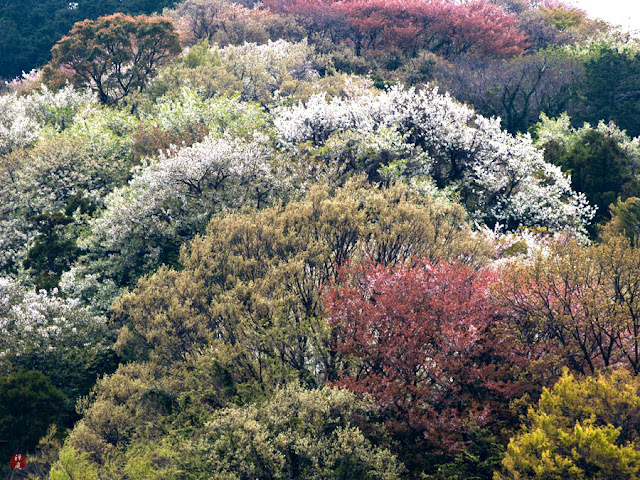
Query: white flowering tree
(53, 176)
(500, 178)
(265, 73)
(272, 68)
(17, 128)
(171, 199)
(54, 149)
(58, 337)
(22, 118)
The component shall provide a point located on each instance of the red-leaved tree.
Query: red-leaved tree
(428, 344)
(442, 26)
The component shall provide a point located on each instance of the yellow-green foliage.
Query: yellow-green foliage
(256, 72)
(136, 419)
(272, 72)
(584, 428)
(625, 218)
(563, 18)
(73, 465)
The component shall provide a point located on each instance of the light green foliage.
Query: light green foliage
(56, 109)
(561, 131)
(151, 422)
(128, 404)
(625, 218)
(23, 119)
(44, 456)
(73, 465)
(107, 133)
(584, 428)
(66, 166)
(563, 18)
(172, 196)
(603, 161)
(139, 420)
(221, 115)
(261, 73)
(296, 434)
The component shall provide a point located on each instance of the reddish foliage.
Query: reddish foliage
(428, 345)
(587, 312)
(441, 26)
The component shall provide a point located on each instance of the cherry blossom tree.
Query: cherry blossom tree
(58, 337)
(425, 342)
(442, 26)
(173, 197)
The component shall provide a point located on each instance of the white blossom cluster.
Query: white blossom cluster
(17, 127)
(172, 198)
(22, 118)
(16, 236)
(521, 247)
(48, 107)
(52, 176)
(264, 68)
(500, 178)
(41, 331)
(88, 284)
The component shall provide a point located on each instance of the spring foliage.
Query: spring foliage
(583, 428)
(306, 273)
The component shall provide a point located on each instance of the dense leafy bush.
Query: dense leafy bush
(583, 428)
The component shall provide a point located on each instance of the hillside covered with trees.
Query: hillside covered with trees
(319, 239)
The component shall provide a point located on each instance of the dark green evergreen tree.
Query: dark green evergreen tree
(609, 89)
(29, 403)
(599, 168)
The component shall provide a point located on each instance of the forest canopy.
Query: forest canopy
(319, 239)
